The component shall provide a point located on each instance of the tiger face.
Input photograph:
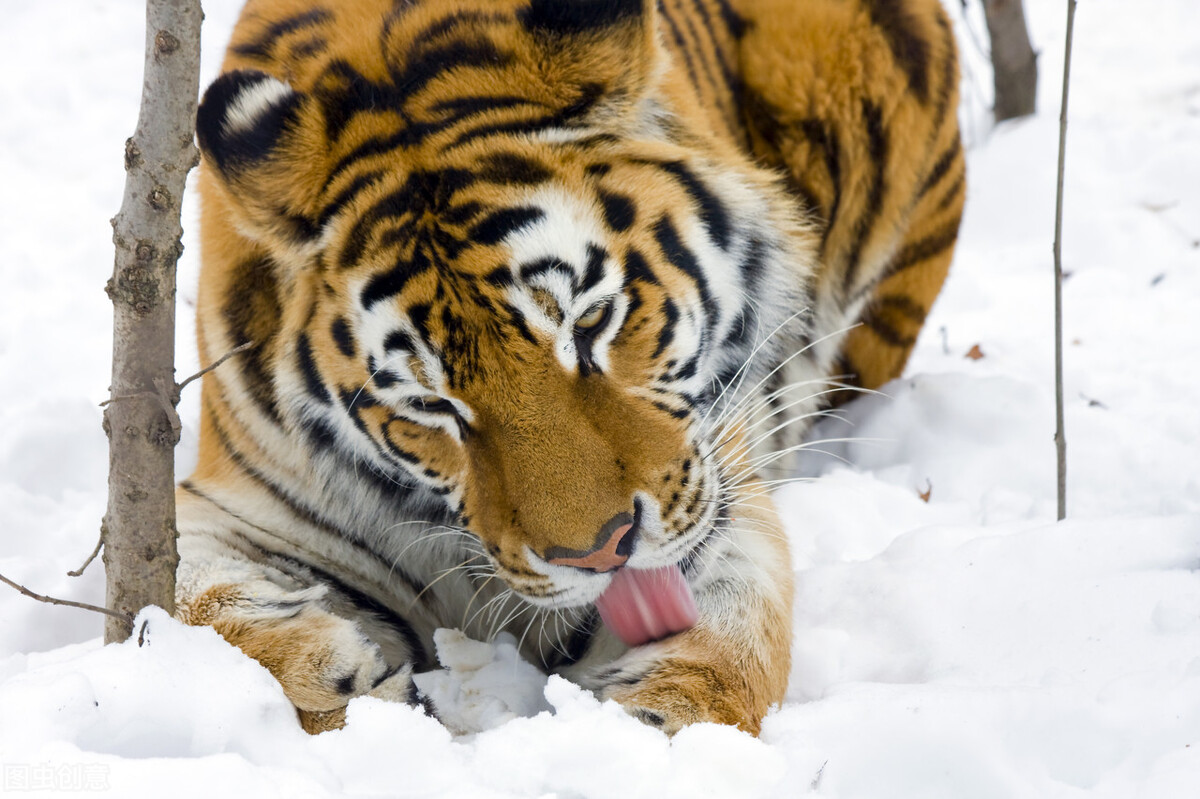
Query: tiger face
(540, 328)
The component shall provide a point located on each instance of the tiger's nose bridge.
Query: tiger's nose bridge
(613, 546)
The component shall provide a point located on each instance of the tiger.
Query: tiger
(537, 297)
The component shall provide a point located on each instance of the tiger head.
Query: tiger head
(512, 277)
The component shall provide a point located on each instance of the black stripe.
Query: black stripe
(556, 18)
(900, 304)
(636, 268)
(343, 337)
(428, 64)
(918, 252)
(541, 266)
(445, 24)
(742, 329)
(910, 49)
(712, 210)
(684, 50)
(512, 169)
(685, 261)
(954, 192)
(499, 224)
(949, 84)
(823, 137)
(733, 21)
(887, 333)
(260, 47)
(754, 266)
(392, 282)
(667, 333)
(722, 99)
(380, 375)
(590, 94)
(398, 340)
(619, 211)
(308, 367)
(677, 413)
(877, 150)
(346, 195)
(594, 272)
(518, 321)
(308, 48)
(252, 312)
(733, 83)
(941, 167)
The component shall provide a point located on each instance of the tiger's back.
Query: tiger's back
(475, 246)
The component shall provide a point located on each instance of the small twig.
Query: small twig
(116, 614)
(1060, 435)
(240, 348)
(168, 396)
(99, 543)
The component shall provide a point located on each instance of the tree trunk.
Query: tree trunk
(140, 554)
(1014, 64)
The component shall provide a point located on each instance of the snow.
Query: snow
(963, 646)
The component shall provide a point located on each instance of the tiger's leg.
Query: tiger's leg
(733, 665)
(320, 658)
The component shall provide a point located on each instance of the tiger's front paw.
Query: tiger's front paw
(321, 660)
(674, 694)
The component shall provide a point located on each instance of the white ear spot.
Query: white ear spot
(252, 103)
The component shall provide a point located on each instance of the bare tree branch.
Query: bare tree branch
(240, 348)
(99, 543)
(1060, 433)
(125, 618)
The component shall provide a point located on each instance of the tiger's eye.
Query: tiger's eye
(593, 318)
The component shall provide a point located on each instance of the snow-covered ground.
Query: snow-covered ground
(964, 646)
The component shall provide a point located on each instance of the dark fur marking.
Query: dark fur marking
(636, 268)
(619, 210)
(495, 227)
(941, 167)
(684, 260)
(712, 210)
(559, 18)
(261, 46)
(252, 311)
(667, 333)
(343, 337)
(308, 368)
(909, 47)
(877, 147)
(512, 169)
(594, 271)
(398, 340)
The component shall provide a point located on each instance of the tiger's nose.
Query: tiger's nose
(613, 546)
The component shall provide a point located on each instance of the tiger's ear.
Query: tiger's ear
(263, 145)
(607, 48)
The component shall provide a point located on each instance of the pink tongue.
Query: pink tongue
(643, 605)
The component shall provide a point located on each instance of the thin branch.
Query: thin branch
(116, 614)
(99, 543)
(240, 348)
(1060, 434)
